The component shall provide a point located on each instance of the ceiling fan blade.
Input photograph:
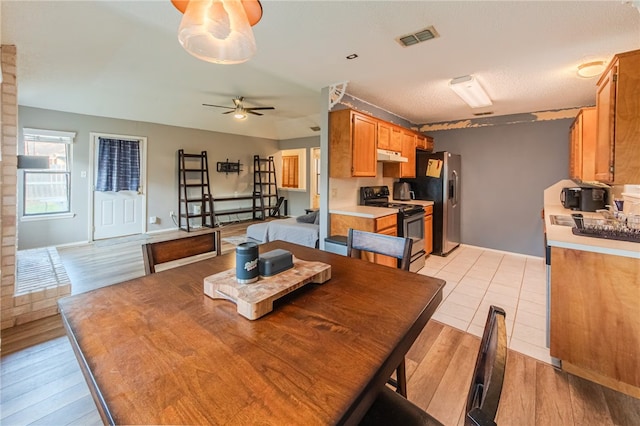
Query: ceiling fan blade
(217, 106)
(258, 108)
(229, 112)
(251, 112)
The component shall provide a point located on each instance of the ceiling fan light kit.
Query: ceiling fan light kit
(219, 31)
(591, 69)
(240, 112)
(470, 91)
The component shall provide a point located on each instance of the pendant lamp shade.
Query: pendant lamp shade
(217, 31)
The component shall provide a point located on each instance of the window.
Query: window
(290, 171)
(294, 169)
(47, 172)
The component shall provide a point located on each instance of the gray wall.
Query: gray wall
(162, 190)
(299, 200)
(505, 169)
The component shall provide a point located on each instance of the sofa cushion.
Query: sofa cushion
(307, 218)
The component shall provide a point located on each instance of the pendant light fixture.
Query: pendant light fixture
(219, 31)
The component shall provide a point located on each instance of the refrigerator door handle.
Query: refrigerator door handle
(455, 188)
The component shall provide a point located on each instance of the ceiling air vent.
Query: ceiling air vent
(418, 37)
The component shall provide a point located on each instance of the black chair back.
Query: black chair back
(386, 245)
(488, 375)
(390, 408)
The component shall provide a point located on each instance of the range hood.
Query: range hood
(387, 156)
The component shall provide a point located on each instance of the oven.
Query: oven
(410, 220)
(411, 224)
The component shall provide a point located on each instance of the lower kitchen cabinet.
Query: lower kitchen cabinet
(340, 225)
(595, 325)
(428, 229)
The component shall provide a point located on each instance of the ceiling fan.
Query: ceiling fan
(239, 110)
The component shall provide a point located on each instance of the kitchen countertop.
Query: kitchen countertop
(375, 212)
(561, 236)
(423, 203)
(364, 211)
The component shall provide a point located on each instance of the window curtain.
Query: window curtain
(118, 165)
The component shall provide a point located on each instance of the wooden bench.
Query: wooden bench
(170, 250)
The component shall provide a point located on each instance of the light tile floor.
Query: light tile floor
(477, 278)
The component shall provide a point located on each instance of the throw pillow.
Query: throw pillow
(307, 218)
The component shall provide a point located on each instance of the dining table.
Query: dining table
(157, 350)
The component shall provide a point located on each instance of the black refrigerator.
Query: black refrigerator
(438, 180)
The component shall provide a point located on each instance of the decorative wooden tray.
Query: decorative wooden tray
(256, 299)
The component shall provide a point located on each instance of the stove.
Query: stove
(410, 220)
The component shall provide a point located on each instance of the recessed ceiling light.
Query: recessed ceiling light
(352, 56)
(591, 69)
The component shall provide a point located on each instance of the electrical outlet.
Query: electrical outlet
(171, 214)
(153, 219)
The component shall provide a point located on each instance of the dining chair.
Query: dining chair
(484, 392)
(179, 248)
(398, 247)
(387, 245)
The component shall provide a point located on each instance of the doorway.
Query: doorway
(118, 189)
(315, 178)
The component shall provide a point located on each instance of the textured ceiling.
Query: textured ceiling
(123, 60)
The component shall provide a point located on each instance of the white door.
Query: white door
(118, 213)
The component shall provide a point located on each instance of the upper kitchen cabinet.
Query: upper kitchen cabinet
(582, 145)
(352, 144)
(618, 121)
(384, 135)
(424, 143)
(408, 169)
(389, 136)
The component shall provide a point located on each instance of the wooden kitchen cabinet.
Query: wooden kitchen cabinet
(384, 135)
(582, 145)
(352, 144)
(618, 121)
(396, 139)
(388, 225)
(424, 143)
(594, 321)
(408, 169)
(389, 136)
(428, 229)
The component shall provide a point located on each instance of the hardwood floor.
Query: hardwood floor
(41, 382)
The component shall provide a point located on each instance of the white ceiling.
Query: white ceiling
(123, 59)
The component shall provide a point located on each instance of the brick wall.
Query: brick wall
(15, 309)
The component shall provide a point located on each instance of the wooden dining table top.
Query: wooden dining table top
(157, 350)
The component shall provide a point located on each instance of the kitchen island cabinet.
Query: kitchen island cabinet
(341, 223)
(593, 293)
(595, 325)
(618, 121)
(352, 144)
